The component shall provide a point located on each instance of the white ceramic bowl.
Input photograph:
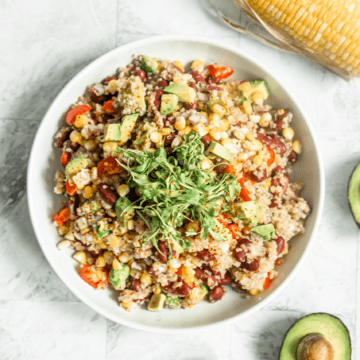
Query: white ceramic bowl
(45, 160)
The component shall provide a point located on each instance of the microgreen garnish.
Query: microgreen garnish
(175, 188)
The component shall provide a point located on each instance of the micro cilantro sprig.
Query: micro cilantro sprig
(175, 188)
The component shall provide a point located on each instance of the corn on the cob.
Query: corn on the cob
(330, 29)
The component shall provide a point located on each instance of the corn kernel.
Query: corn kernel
(206, 164)
(288, 133)
(180, 123)
(297, 147)
(110, 146)
(102, 245)
(69, 235)
(258, 160)
(187, 130)
(88, 192)
(228, 143)
(131, 224)
(123, 190)
(258, 97)
(265, 120)
(215, 133)
(80, 257)
(126, 305)
(114, 241)
(112, 213)
(116, 265)
(197, 65)
(223, 125)
(165, 131)
(157, 291)
(93, 173)
(62, 230)
(146, 279)
(179, 65)
(108, 257)
(247, 107)
(75, 136)
(188, 274)
(82, 142)
(192, 226)
(224, 135)
(239, 134)
(80, 121)
(218, 110)
(124, 257)
(201, 129)
(250, 136)
(112, 86)
(155, 137)
(255, 145)
(100, 262)
(267, 183)
(254, 292)
(244, 87)
(90, 145)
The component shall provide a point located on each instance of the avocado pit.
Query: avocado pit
(314, 346)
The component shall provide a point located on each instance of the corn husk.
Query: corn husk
(280, 40)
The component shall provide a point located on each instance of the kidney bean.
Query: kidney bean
(73, 205)
(165, 252)
(245, 242)
(192, 85)
(279, 125)
(220, 169)
(162, 83)
(253, 266)
(280, 244)
(279, 169)
(73, 146)
(63, 137)
(108, 79)
(239, 254)
(198, 77)
(144, 299)
(182, 290)
(169, 150)
(217, 292)
(169, 139)
(275, 203)
(214, 88)
(136, 286)
(212, 80)
(206, 140)
(281, 117)
(141, 74)
(107, 194)
(208, 268)
(260, 177)
(205, 255)
(264, 139)
(209, 279)
(158, 94)
(192, 106)
(292, 157)
(226, 280)
(150, 270)
(99, 99)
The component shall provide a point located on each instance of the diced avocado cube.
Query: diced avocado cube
(168, 103)
(82, 223)
(177, 247)
(267, 232)
(127, 126)
(142, 138)
(117, 277)
(124, 210)
(149, 65)
(184, 93)
(157, 302)
(95, 206)
(248, 210)
(75, 165)
(203, 290)
(174, 302)
(256, 86)
(112, 132)
(219, 150)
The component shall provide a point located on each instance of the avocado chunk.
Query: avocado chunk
(173, 302)
(354, 194)
(219, 150)
(149, 65)
(267, 232)
(124, 210)
(127, 126)
(256, 86)
(157, 302)
(314, 333)
(112, 132)
(184, 93)
(177, 247)
(203, 290)
(75, 165)
(117, 277)
(248, 210)
(168, 103)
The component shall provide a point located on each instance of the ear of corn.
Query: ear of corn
(327, 31)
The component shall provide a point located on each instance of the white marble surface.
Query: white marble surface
(44, 44)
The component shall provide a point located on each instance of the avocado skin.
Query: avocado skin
(355, 176)
(312, 315)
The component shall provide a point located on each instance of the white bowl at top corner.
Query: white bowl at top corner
(43, 203)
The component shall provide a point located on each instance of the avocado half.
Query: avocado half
(329, 326)
(354, 194)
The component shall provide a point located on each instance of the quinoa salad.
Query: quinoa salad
(176, 184)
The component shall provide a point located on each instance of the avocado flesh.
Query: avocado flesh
(329, 326)
(354, 194)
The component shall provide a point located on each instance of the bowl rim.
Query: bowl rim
(32, 199)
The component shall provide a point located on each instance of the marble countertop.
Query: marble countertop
(44, 44)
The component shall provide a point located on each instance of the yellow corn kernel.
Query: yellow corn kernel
(288, 133)
(297, 147)
(239, 134)
(188, 274)
(116, 264)
(177, 107)
(206, 164)
(157, 291)
(100, 262)
(69, 235)
(250, 136)
(131, 224)
(247, 107)
(197, 65)
(192, 226)
(165, 131)
(146, 279)
(255, 145)
(126, 305)
(258, 97)
(75, 136)
(223, 125)
(123, 190)
(88, 192)
(90, 145)
(254, 292)
(180, 123)
(81, 121)
(215, 133)
(62, 230)
(114, 241)
(82, 142)
(244, 87)
(112, 213)
(110, 146)
(102, 245)
(228, 143)
(80, 257)
(265, 120)
(108, 257)
(187, 130)
(160, 66)
(155, 137)
(258, 160)
(179, 65)
(267, 183)
(201, 129)
(112, 86)
(218, 110)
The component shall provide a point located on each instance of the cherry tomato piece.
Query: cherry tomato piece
(73, 113)
(220, 72)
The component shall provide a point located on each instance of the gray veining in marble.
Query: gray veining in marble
(44, 44)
